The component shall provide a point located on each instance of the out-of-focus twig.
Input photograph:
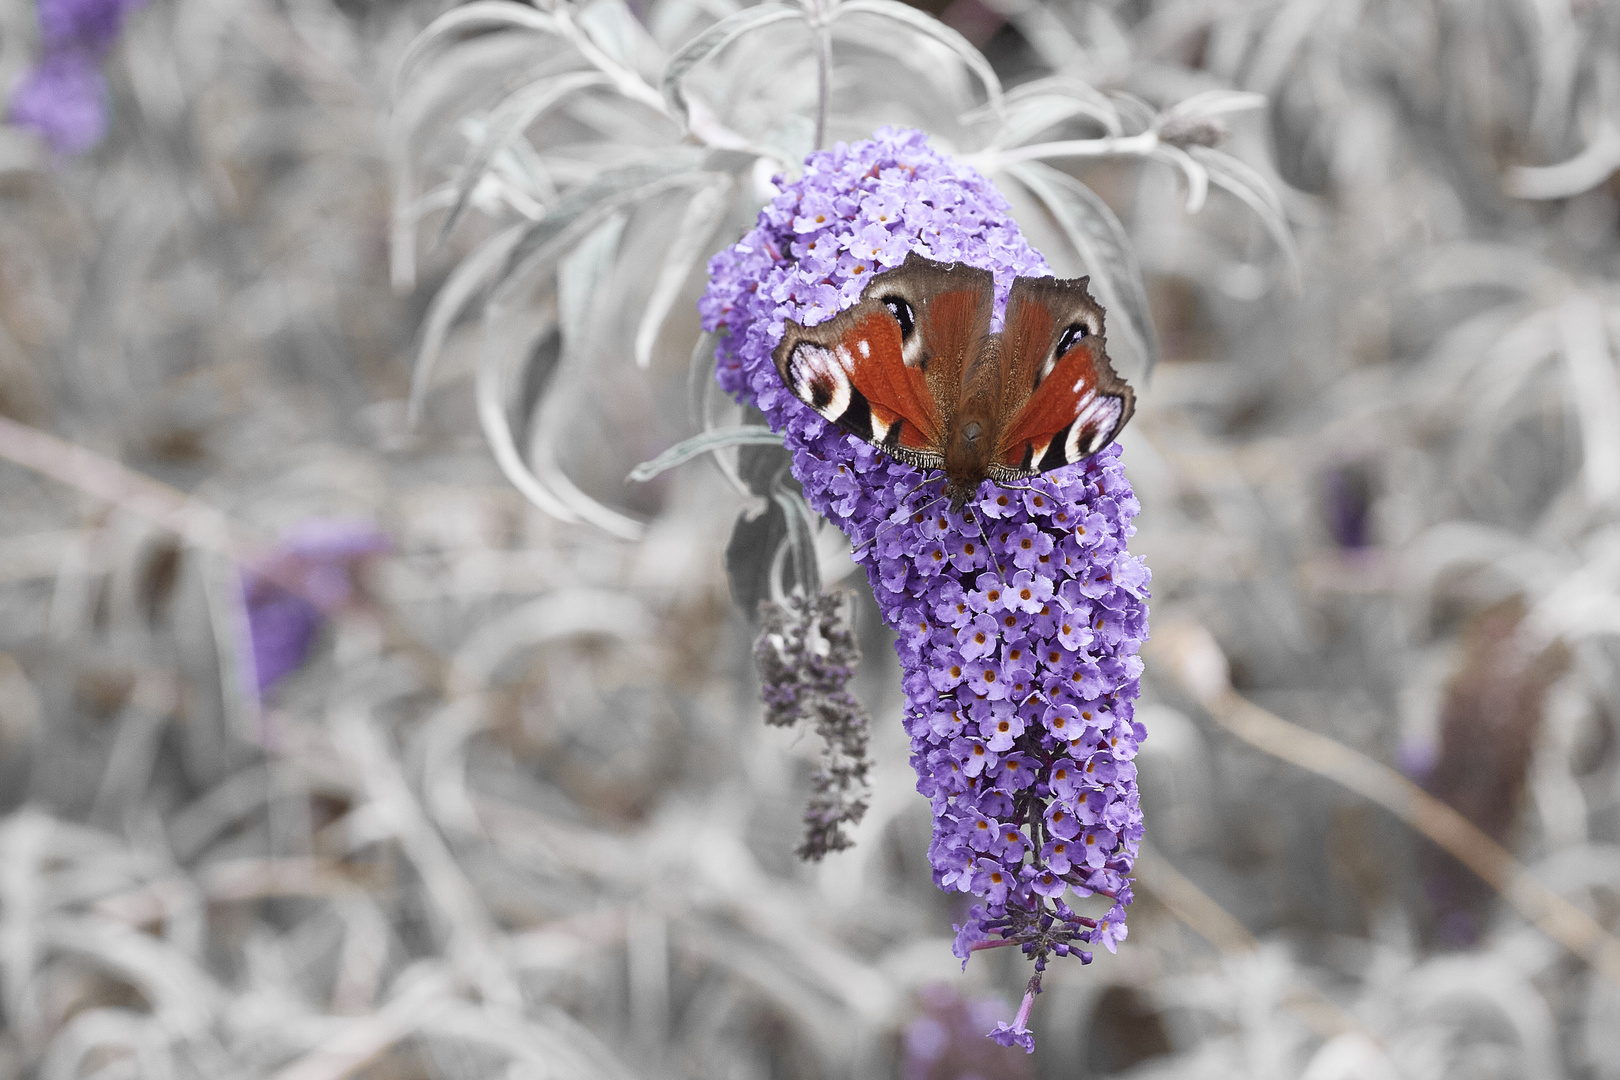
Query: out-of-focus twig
(1191, 656)
(1192, 905)
(1210, 921)
(102, 477)
(194, 521)
(1580, 173)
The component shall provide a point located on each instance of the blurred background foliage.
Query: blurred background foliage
(382, 730)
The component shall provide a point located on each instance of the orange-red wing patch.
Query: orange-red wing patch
(1068, 418)
(893, 390)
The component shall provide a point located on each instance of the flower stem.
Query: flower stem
(823, 74)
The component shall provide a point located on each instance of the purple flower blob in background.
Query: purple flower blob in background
(64, 98)
(90, 26)
(945, 1041)
(1020, 668)
(309, 575)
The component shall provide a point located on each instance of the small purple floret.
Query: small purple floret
(309, 575)
(64, 101)
(1018, 623)
(90, 26)
(1017, 1033)
(64, 98)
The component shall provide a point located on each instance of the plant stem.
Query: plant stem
(821, 21)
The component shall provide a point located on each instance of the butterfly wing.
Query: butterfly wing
(888, 370)
(1060, 392)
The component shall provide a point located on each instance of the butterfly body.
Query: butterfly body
(913, 369)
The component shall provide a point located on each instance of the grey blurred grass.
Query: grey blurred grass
(518, 816)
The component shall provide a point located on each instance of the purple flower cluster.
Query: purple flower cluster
(1019, 620)
(64, 97)
(309, 575)
(805, 655)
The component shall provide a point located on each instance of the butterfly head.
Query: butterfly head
(969, 450)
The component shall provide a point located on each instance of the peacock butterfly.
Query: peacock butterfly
(914, 370)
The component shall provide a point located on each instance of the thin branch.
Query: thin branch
(1195, 661)
(1194, 907)
(195, 522)
(103, 478)
(821, 23)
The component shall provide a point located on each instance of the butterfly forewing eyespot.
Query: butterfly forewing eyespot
(1072, 336)
(902, 314)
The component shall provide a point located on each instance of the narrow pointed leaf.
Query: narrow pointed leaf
(579, 280)
(481, 16)
(930, 27)
(712, 40)
(508, 122)
(465, 281)
(703, 214)
(496, 422)
(1104, 249)
(801, 525)
(686, 450)
(1227, 172)
(590, 202)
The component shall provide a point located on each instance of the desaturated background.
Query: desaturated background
(326, 752)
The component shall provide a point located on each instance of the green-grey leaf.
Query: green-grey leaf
(507, 122)
(1257, 193)
(931, 27)
(712, 40)
(483, 15)
(801, 537)
(708, 442)
(605, 192)
(464, 282)
(703, 214)
(1105, 250)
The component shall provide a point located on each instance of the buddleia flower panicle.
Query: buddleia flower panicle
(805, 656)
(1019, 619)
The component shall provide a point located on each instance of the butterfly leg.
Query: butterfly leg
(989, 548)
(909, 513)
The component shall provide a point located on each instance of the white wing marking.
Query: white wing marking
(812, 364)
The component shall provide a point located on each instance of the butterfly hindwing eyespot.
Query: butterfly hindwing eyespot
(819, 377)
